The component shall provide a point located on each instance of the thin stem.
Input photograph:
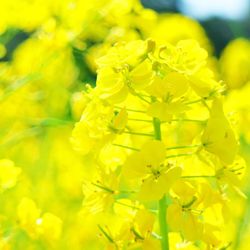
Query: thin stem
(50, 121)
(18, 84)
(139, 120)
(137, 235)
(124, 146)
(205, 104)
(156, 236)
(142, 98)
(126, 192)
(194, 101)
(132, 110)
(163, 223)
(157, 128)
(104, 188)
(199, 176)
(185, 146)
(30, 132)
(126, 205)
(173, 120)
(106, 234)
(177, 155)
(138, 133)
(162, 202)
(188, 120)
(135, 207)
(242, 225)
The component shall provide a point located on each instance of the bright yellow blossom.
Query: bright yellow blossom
(9, 174)
(148, 166)
(218, 137)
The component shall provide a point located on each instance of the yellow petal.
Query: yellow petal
(135, 166)
(8, 174)
(153, 152)
(165, 111)
(202, 82)
(166, 180)
(141, 76)
(110, 85)
(172, 85)
(28, 213)
(160, 111)
(218, 137)
(50, 226)
(151, 190)
(144, 221)
(120, 120)
(192, 228)
(174, 217)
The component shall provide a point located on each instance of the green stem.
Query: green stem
(18, 84)
(205, 104)
(184, 146)
(137, 133)
(157, 128)
(173, 120)
(124, 146)
(16, 138)
(198, 176)
(162, 202)
(106, 234)
(139, 120)
(126, 205)
(178, 155)
(163, 223)
(194, 101)
(132, 110)
(49, 122)
(142, 98)
(188, 120)
(104, 188)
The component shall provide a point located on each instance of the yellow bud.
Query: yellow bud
(8, 174)
(49, 226)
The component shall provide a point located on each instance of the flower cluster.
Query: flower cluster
(160, 143)
(116, 129)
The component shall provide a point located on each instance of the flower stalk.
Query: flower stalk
(162, 205)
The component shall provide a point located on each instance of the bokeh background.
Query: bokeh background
(47, 55)
(223, 20)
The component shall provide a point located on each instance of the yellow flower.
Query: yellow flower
(235, 63)
(203, 83)
(99, 124)
(218, 137)
(165, 111)
(141, 76)
(188, 214)
(179, 27)
(149, 167)
(9, 174)
(119, 121)
(99, 193)
(111, 85)
(232, 174)
(172, 85)
(183, 220)
(28, 213)
(142, 229)
(186, 57)
(125, 68)
(49, 226)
